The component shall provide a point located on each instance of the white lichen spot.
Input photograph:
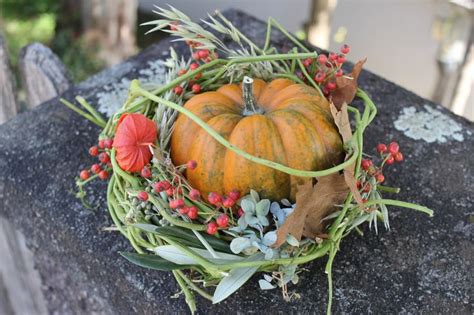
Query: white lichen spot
(430, 125)
(115, 94)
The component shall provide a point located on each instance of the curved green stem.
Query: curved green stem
(398, 203)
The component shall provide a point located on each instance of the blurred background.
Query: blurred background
(423, 45)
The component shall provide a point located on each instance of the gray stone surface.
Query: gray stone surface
(422, 265)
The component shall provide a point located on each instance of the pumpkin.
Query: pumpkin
(281, 121)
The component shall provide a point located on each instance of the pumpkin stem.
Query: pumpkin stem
(249, 98)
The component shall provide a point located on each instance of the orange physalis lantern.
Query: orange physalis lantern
(135, 133)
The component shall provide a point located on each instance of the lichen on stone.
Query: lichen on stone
(429, 125)
(115, 94)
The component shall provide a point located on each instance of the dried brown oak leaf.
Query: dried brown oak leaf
(341, 118)
(346, 88)
(314, 202)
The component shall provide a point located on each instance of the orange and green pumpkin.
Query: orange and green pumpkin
(281, 121)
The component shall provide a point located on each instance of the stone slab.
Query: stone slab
(422, 265)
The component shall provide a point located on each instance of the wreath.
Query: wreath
(243, 162)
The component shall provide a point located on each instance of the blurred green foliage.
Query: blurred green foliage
(19, 33)
(27, 21)
(27, 9)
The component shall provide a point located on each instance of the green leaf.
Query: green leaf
(152, 261)
(176, 255)
(185, 236)
(234, 280)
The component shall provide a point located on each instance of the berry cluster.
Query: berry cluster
(200, 56)
(371, 174)
(225, 203)
(324, 69)
(101, 169)
(178, 191)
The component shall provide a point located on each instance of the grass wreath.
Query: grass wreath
(217, 240)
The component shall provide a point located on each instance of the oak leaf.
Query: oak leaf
(346, 88)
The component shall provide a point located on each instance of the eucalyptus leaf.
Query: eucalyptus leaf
(263, 220)
(247, 206)
(269, 238)
(254, 195)
(239, 244)
(234, 280)
(250, 219)
(262, 208)
(265, 285)
(290, 239)
(152, 261)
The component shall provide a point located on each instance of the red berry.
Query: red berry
(94, 151)
(196, 55)
(104, 157)
(331, 86)
(192, 212)
(393, 148)
(191, 165)
(204, 53)
(84, 174)
(103, 175)
(381, 148)
(365, 164)
(358, 184)
(184, 210)
(146, 172)
(367, 187)
(322, 59)
(325, 91)
(198, 76)
(95, 168)
(157, 187)
(108, 143)
(341, 59)
(319, 77)
(398, 156)
(166, 184)
(222, 220)
(142, 195)
(178, 90)
(240, 212)
(345, 49)
(194, 66)
(194, 194)
(196, 88)
(170, 192)
(390, 160)
(181, 72)
(101, 144)
(176, 203)
(379, 178)
(215, 199)
(307, 62)
(228, 202)
(332, 56)
(339, 73)
(212, 228)
(234, 194)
